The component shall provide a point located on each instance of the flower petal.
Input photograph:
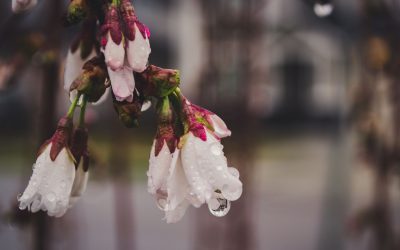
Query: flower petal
(138, 51)
(177, 184)
(206, 169)
(158, 169)
(220, 128)
(114, 54)
(122, 83)
(173, 216)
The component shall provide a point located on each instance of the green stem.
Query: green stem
(72, 108)
(83, 111)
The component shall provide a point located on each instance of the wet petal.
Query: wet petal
(138, 52)
(206, 169)
(158, 169)
(220, 128)
(122, 83)
(114, 54)
(175, 215)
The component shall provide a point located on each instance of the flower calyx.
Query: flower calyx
(129, 112)
(111, 26)
(79, 147)
(130, 20)
(166, 128)
(157, 82)
(60, 139)
(92, 82)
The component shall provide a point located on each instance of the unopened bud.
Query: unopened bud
(157, 82)
(92, 81)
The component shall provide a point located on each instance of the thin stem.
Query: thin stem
(71, 109)
(83, 111)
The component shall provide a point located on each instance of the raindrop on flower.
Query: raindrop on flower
(219, 168)
(219, 207)
(33, 166)
(51, 197)
(216, 149)
(234, 172)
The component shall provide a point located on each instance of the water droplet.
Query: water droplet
(33, 166)
(216, 149)
(219, 207)
(34, 183)
(323, 10)
(234, 172)
(219, 168)
(51, 197)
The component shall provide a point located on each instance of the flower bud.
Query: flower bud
(157, 82)
(129, 112)
(79, 147)
(76, 12)
(92, 80)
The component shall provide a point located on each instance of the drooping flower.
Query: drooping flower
(137, 35)
(50, 185)
(22, 5)
(196, 171)
(112, 39)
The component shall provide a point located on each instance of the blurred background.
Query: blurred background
(309, 88)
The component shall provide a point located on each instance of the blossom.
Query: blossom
(126, 48)
(137, 34)
(196, 170)
(53, 175)
(22, 5)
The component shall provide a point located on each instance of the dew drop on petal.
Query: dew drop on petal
(216, 149)
(219, 168)
(51, 197)
(219, 207)
(33, 166)
(234, 172)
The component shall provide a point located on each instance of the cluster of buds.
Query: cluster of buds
(187, 165)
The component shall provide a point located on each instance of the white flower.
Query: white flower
(50, 186)
(138, 51)
(195, 175)
(22, 5)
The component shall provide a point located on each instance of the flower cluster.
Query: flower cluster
(187, 163)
